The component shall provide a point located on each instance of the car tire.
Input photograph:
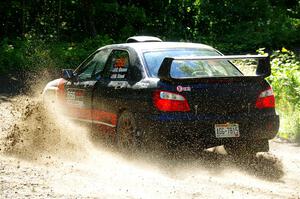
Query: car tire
(246, 149)
(127, 138)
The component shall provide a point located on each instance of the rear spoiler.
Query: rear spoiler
(263, 69)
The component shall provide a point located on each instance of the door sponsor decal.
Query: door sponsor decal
(120, 63)
(117, 76)
(119, 70)
(75, 97)
(118, 84)
(183, 88)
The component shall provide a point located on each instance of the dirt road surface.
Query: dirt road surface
(46, 156)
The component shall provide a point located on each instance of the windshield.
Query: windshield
(190, 68)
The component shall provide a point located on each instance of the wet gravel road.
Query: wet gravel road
(42, 157)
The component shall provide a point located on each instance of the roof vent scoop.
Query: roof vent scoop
(135, 39)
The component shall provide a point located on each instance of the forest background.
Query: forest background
(38, 35)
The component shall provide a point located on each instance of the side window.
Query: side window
(117, 65)
(87, 72)
(101, 59)
(94, 65)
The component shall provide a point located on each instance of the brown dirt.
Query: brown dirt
(44, 155)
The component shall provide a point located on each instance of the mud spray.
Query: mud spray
(30, 132)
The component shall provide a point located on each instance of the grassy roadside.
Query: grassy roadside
(285, 80)
(290, 125)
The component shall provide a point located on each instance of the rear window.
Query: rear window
(190, 68)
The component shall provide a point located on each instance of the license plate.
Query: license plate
(227, 130)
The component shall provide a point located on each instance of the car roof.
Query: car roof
(149, 46)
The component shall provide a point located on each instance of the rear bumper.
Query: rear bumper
(202, 129)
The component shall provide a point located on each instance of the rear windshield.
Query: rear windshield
(190, 68)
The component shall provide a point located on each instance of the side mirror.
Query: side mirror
(67, 74)
(264, 67)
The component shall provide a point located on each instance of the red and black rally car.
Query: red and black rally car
(147, 90)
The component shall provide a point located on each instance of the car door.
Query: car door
(113, 86)
(79, 90)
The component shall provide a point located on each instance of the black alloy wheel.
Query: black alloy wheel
(127, 139)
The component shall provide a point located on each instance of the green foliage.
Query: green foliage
(11, 55)
(69, 55)
(285, 80)
(33, 54)
(232, 26)
(286, 77)
(289, 123)
(236, 26)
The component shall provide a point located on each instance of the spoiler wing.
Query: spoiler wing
(263, 69)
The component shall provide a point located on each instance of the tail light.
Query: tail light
(170, 102)
(266, 99)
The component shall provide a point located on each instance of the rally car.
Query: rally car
(147, 91)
